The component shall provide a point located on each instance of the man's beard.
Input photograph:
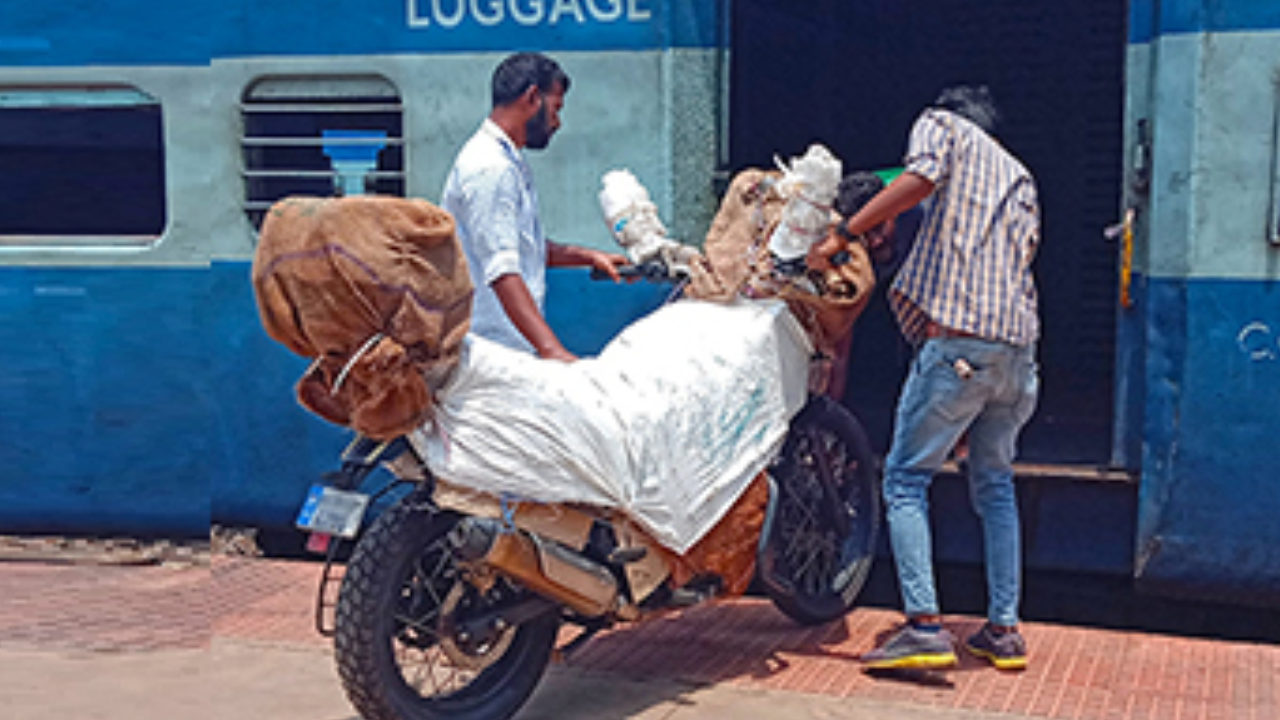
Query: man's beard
(537, 131)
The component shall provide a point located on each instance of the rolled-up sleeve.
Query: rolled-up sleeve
(493, 215)
(929, 149)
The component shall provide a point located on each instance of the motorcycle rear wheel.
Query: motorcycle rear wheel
(811, 567)
(398, 652)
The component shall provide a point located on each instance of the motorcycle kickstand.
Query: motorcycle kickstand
(589, 630)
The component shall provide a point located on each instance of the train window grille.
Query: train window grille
(320, 137)
(81, 166)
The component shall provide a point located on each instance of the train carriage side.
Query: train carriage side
(1198, 370)
(139, 393)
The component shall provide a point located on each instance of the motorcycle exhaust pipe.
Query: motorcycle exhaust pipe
(544, 566)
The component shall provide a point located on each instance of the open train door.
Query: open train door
(853, 75)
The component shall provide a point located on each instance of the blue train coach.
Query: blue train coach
(141, 140)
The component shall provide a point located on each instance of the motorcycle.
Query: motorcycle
(451, 603)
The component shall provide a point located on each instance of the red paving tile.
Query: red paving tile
(102, 608)
(1075, 673)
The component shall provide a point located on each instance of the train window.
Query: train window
(80, 166)
(320, 136)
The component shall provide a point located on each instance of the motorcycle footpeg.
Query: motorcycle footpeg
(473, 538)
(628, 555)
(686, 597)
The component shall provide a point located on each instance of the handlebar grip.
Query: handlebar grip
(647, 271)
(654, 271)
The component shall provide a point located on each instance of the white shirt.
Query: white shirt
(490, 194)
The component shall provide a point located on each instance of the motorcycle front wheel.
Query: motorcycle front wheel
(825, 521)
(398, 648)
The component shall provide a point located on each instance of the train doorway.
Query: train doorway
(853, 75)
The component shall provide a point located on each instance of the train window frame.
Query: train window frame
(134, 119)
(283, 140)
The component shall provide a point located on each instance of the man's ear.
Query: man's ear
(530, 97)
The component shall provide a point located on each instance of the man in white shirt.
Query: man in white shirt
(491, 195)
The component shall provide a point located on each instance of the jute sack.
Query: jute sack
(736, 251)
(376, 291)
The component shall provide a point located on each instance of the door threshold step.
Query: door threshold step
(1052, 471)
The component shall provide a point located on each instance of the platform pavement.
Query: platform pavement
(233, 638)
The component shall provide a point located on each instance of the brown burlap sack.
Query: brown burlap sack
(728, 550)
(747, 212)
(736, 251)
(375, 290)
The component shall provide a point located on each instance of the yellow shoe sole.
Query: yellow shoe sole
(1016, 663)
(915, 662)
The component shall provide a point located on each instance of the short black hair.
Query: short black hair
(855, 190)
(973, 103)
(518, 72)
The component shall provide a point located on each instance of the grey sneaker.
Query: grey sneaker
(1007, 651)
(913, 648)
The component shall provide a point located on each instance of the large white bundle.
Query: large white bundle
(669, 424)
(810, 186)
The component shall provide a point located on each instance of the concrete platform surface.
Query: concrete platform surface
(233, 637)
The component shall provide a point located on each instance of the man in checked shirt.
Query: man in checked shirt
(966, 298)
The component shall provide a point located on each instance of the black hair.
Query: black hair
(518, 72)
(855, 190)
(974, 104)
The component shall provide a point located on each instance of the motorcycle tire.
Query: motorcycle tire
(399, 601)
(814, 563)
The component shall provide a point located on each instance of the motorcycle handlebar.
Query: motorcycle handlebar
(653, 272)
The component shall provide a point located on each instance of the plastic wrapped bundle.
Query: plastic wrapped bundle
(633, 220)
(669, 425)
(809, 186)
(737, 252)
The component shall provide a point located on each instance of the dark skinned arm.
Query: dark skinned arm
(904, 193)
(518, 303)
(574, 256)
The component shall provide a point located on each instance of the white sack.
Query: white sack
(669, 424)
(810, 185)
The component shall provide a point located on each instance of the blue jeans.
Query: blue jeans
(938, 404)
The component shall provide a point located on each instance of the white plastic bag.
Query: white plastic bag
(810, 185)
(633, 220)
(669, 424)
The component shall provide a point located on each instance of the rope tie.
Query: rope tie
(508, 506)
(342, 376)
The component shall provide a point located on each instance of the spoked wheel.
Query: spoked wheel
(412, 639)
(822, 537)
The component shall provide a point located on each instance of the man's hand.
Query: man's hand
(819, 257)
(557, 353)
(904, 193)
(607, 263)
(559, 255)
